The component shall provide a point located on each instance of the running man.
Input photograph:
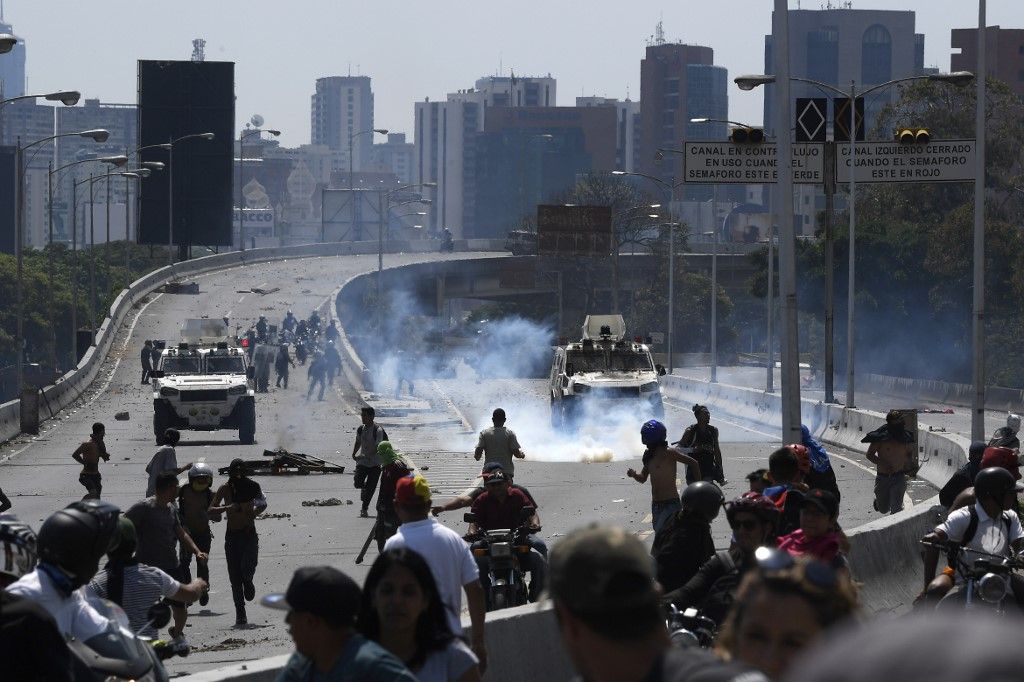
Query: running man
(88, 455)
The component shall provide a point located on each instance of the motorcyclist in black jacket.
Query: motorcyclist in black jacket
(684, 543)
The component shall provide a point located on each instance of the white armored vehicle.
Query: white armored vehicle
(603, 372)
(203, 383)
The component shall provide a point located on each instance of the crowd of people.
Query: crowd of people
(295, 343)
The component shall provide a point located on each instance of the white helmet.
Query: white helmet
(1013, 421)
(201, 470)
(17, 547)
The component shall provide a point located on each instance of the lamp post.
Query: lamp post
(978, 299)
(241, 161)
(752, 81)
(95, 134)
(714, 300)
(382, 210)
(169, 148)
(357, 208)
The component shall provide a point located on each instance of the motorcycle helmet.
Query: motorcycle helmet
(289, 313)
(994, 482)
(1013, 422)
(753, 503)
(703, 498)
(76, 538)
(200, 470)
(18, 546)
(653, 433)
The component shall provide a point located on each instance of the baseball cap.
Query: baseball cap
(823, 500)
(598, 569)
(497, 477)
(490, 468)
(1001, 457)
(412, 490)
(320, 590)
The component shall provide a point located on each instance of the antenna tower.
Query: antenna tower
(199, 50)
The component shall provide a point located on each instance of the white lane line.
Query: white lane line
(241, 299)
(648, 518)
(228, 314)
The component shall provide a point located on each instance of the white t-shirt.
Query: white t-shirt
(447, 665)
(74, 616)
(163, 460)
(449, 559)
(144, 585)
(990, 536)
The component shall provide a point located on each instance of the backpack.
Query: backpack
(722, 592)
(359, 432)
(971, 531)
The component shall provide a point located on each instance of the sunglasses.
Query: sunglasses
(774, 561)
(749, 524)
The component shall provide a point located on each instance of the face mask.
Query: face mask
(200, 486)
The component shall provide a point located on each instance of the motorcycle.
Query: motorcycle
(986, 577)
(117, 654)
(687, 629)
(503, 547)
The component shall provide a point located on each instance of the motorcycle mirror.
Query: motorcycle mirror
(469, 517)
(159, 615)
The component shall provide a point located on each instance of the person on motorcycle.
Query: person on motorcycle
(684, 543)
(1006, 436)
(964, 476)
(31, 647)
(989, 526)
(501, 507)
(289, 322)
(261, 329)
(753, 519)
(331, 333)
(466, 499)
(314, 323)
(70, 544)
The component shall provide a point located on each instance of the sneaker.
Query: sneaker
(363, 513)
(241, 620)
(204, 598)
(249, 590)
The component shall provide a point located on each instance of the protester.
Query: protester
(394, 468)
(660, 466)
(608, 611)
(241, 498)
(194, 501)
(782, 608)
(450, 560)
(322, 603)
(758, 480)
(786, 491)
(158, 528)
(891, 450)
(753, 519)
(136, 586)
(1006, 436)
(146, 359)
(684, 543)
(368, 465)
(88, 454)
(165, 460)
(499, 444)
(820, 474)
(403, 612)
(703, 439)
(963, 478)
(818, 536)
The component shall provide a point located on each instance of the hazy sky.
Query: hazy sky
(416, 48)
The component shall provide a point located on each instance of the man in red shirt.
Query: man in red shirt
(501, 507)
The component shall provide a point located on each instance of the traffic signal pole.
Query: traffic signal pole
(830, 272)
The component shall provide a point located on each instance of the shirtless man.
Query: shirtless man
(660, 466)
(88, 455)
(892, 451)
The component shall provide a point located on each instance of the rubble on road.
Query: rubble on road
(329, 502)
(285, 463)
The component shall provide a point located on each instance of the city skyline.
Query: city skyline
(419, 51)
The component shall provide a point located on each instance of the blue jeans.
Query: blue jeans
(662, 511)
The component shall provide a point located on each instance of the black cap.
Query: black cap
(823, 500)
(497, 477)
(237, 464)
(322, 591)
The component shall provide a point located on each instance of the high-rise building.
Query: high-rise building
(342, 112)
(678, 83)
(394, 156)
(23, 123)
(627, 129)
(837, 46)
(12, 67)
(517, 91)
(1004, 54)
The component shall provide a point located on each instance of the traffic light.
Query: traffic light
(913, 135)
(744, 135)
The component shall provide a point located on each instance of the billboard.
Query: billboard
(259, 222)
(574, 230)
(176, 100)
(351, 215)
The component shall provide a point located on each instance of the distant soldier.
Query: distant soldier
(261, 329)
(333, 360)
(332, 332)
(281, 365)
(146, 357)
(317, 374)
(289, 322)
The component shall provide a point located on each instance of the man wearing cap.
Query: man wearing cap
(607, 605)
(499, 443)
(467, 498)
(242, 500)
(448, 556)
(394, 468)
(322, 603)
(502, 507)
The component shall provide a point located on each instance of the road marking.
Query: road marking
(241, 299)
(644, 534)
(648, 518)
(228, 314)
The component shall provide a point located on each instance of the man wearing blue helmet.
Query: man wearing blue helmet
(660, 462)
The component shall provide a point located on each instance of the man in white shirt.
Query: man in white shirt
(445, 552)
(165, 459)
(499, 443)
(990, 526)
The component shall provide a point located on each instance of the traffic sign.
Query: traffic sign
(728, 163)
(811, 115)
(937, 161)
(841, 119)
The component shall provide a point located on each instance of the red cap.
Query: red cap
(412, 490)
(1001, 457)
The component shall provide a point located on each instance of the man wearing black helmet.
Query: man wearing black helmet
(70, 544)
(988, 526)
(684, 543)
(660, 462)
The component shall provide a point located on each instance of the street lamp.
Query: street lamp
(66, 97)
(241, 160)
(357, 207)
(96, 134)
(169, 148)
(7, 42)
(749, 82)
(383, 209)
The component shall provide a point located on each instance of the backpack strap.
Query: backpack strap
(972, 527)
(727, 561)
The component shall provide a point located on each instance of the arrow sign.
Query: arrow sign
(810, 118)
